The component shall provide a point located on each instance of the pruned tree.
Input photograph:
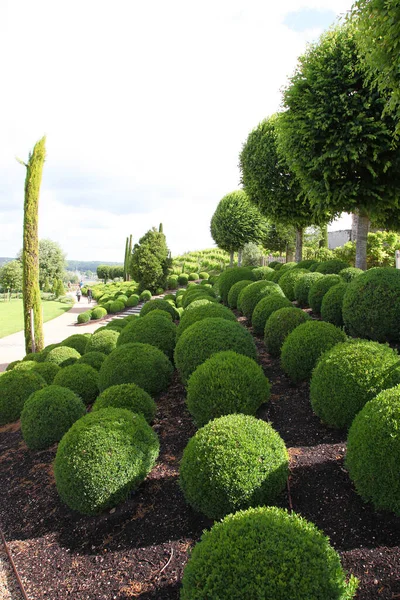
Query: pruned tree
(150, 261)
(279, 238)
(103, 272)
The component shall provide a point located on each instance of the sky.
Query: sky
(145, 107)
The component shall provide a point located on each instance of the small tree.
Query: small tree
(279, 238)
(103, 272)
(11, 276)
(150, 261)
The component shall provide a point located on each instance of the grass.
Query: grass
(11, 316)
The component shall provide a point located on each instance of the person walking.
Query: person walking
(78, 294)
(89, 295)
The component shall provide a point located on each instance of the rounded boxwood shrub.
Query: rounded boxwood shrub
(262, 272)
(231, 276)
(157, 312)
(102, 458)
(77, 341)
(373, 451)
(203, 275)
(116, 306)
(349, 375)
(206, 283)
(289, 280)
(206, 337)
(193, 276)
(159, 291)
(332, 302)
(160, 305)
(81, 379)
(328, 267)
(13, 363)
(226, 383)
(233, 462)
(235, 290)
(278, 326)
(187, 300)
(273, 264)
(303, 285)
(63, 356)
(319, 289)
(85, 317)
(122, 298)
(200, 302)
(114, 325)
(205, 311)
(314, 267)
(306, 264)
(47, 370)
(172, 282)
(93, 359)
(170, 298)
(145, 296)
(157, 331)
(25, 365)
(98, 313)
(264, 310)
(371, 305)
(183, 279)
(132, 301)
(129, 396)
(350, 273)
(34, 356)
(305, 344)
(15, 388)
(104, 341)
(265, 553)
(48, 414)
(138, 363)
(251, 295)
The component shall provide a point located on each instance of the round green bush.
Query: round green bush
(306, 264)
(231, 463)
(172, 282)
(332, 302)
(157, 312)
(205, 311)
(93, 359)
(349, 375)
(159, 291)
(102, 458)
(85, 317)
(319, 289)
(226, 383)
(205, 283)
(15, 388)
(264, 309)
(231, 276)
(145, 296)
(193, 276)
(13, 363)
(102, 341)
(200, 302)
(170, 298)
(314, 267)
(122, 298)
(98, 313)
(235, 290)
(328, 267)
(203, 275)
(77, 341)
(138, 363)
(132, 301)
(251, 295)
(63, 356)
(34, 356)
(289, 280)
(303, 285)
(129, 396)
(195, 293)
(206, 337)
(41, 356)
(157, 331)
(188, 300)
(47, 370)
(116, 306)
(114, 325)
(371, 305)
(278, 326)
(81, 379)
(350, 273)
(273, 264)
(305, 344)
(183, 279)
(373, 451)
(25, 365)
(265, 553)
(48, 414)
(160, 305)
(262, 272)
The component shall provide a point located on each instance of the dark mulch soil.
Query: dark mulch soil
(139, 549)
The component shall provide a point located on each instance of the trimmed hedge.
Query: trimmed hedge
(172, 282)
(278, 326)
(159, 304)
(157, 312)
(306, 264)
(264, 310)
(349, 375)
(251, 295)
(319, 289)
(203, 275)
(102, 458)
(303, 286)
(84, 317)
(226, 383)
(98, 313)
(233, 462)
(289, 280)
(183, 279)
(157, 331)
(63, 356)
(350, 273)
(48, 414)
(132, 301)
(129, 396)
(265, 553)
(15, 388)
(104, 341)
(231, 276)
(116, 306)
(93, 359)
(235, 290)
(262, 272)
(47, 370)
(77, 341)
(205, 311)
(193, 276)
(200, 302)
(206, 337)
(145, 296)
(81, 379)
(329, 267)
(332, 302)
(305, 344)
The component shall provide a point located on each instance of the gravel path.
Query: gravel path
(9, 588)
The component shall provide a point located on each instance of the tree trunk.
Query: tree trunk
(354, 225)
(231, 258)
(299, 244)
(324, 237)
(30, 251)
(361, 243)
(240, 254)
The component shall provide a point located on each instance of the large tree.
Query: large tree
(150, 261)
(335, 138)
(236, 222)
(11, 276)
(51, 261)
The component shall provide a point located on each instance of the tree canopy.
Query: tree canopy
(11, 276)
(150, 261)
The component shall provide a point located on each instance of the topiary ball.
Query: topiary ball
(251, 295)
(226, 383)
(327, 267)
(200, 302)
(332, 302)
(142, 364)
(303, 286)
(129, 396)
(319, 289)
(34, 356)
(157, 312)
(278, 326)
(159, 304)
(262, 272)
(104, 341)
(145, 296)
(265, 553)
(233, 462)
(205, 311)
(289, 280)
(264, 310)
(156, 330)
(371, 305)
(15, 388)
(206, 337)
(172, 282)
(77, 341)
(306, 264)
(193, 276)
(25, 365)
(373, 451)
(48, 414)
(203, 275)
(47, 370)
(84, 317)
(132, 301)
(93, 359)
(305, 344)
(116, 306)
(231, 276)
(63, 356)
(235, 291)
(81, 379)
(98, 313)
(102, 458)
(183, 279)
(349, 375)
(350, 273)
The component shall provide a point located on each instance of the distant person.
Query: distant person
(78, 294)
(69, 285)
(81, 284)
(89, 295)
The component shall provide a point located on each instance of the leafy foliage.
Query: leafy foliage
(289, 280)
(303, 285)
(129, 396)
(15, 388)
(231, 276)
(150, 261)
(350, 273)
(319, 289)
(11, 276)
(278, 326)
(235, 290)
(84, 317)
(81, 379)
(205, 311)
(329, 267)
(104, 341)
(62, 356)
(159, 305)
(157, 331)
(332, 302)
(94, 358)
(264, 309)
(251, 295)
(77, 341)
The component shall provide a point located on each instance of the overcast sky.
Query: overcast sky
(145, 105)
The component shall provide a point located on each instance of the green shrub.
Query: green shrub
(264, 309)
(81, 379)
(205, 311)
(305, 344)
(273, 264)
(132, 301)
(349, 375)
(85, 317)
(25, 365)
(226, 383)
(170, 298)
(266, 553)
(129, 396)
(203, 275)
(172, 282)
(371, 305)
(195, 293)
(350, 273)
(306, 264)
(157, 312)
(104, 341)
(314, 267)
(183, 279)
(231, 463)
(114, 325)
(332, 302)
(193, 276)
(102, 458)
(319, 289)
(160, 305)
(145, 296)
(278, 326)
(373, 451)
(235, 290)
(116, 306)
(98, 313)
(93, 359)
(251, 295)
(206, 337)
(63, 356)
(205, 283)
(157, 331)
(262, 272)
(77, 341)
(138, 363)
(15, 388)
(202, 301)
(159, 291)
(329, 267)
(47, 370)
(34, 356)
(231, 276)
(123, 299)
(303, 285)
(288, 281)
(48, 414)
(13, 363)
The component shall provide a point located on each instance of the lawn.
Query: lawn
(11, 317)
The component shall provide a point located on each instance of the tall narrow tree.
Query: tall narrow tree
(126, 260)
(128, 263)
(30, 252)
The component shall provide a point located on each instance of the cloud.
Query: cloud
(309, 18)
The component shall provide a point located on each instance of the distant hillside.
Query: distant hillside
(4, 260)
(88, 265)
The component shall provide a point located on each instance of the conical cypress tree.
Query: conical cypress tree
(126, 260)
(160, 229)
